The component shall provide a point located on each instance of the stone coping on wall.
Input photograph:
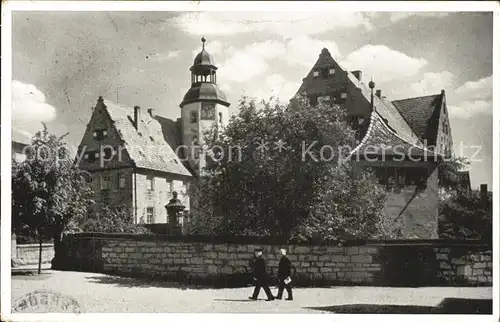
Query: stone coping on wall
(275, 241)
(34, 245)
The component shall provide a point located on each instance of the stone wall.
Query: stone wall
(409, 263)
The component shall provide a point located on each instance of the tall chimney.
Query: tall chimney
(137, 118)
(357, 74)
(151, 112)
(378, 92)
(484, 193)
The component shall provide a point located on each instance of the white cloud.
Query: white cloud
(383, 63)
(245, 64)
(467, 109)
(480, 89)
(474, 97)
(214, 47)
(304, 51)
(277, 86)
(432, 83)
(397, 16)
(242, 67)
(168, 56)
(225, 88)
(286, 24)
(28, 104)
(268, 49)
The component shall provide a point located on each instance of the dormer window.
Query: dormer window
(316, 73)
(194, 117)
(100, 134)
(108, 153)
(105, 182)
(91, 156)
(324, 73)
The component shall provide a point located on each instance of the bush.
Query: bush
(466, 215)
(112, 220)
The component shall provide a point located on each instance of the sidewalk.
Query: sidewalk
(101, 293)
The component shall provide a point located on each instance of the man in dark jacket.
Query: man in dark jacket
(261, 277)
(284, 273)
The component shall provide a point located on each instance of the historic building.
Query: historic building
(402, 141)
(137, 159)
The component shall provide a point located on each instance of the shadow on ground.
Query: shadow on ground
(447, 306)
(29, 275)
(124, 281)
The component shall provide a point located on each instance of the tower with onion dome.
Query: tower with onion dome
(203, 108)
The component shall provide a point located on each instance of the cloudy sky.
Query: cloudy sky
(62, 62)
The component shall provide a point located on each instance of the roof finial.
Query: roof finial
(203, 41)
(371, 84)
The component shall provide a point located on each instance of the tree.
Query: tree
(49, 193)
(272, 170)
(448, 172)
(348, 205)
(466, 215)
(463, 214)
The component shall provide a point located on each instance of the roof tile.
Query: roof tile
(381, 140)
(149, 149)
(422, 113)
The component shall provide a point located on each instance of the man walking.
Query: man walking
(261, 277)
(284, 273)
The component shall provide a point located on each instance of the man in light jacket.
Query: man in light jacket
(284, 279)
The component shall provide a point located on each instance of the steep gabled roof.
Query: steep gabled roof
(381, 140)
(388, 112)
(422, 113)
(148, 149)
(171, 131)
(325, 59)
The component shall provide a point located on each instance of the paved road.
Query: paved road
(98, 293)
